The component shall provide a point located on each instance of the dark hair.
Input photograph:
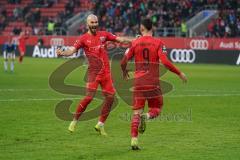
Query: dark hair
(147, 23)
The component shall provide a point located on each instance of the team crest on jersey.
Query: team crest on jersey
(102, 39)
(164, 49)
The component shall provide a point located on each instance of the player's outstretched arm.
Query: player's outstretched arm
(125, 39)
(67, 52)
(167, 63)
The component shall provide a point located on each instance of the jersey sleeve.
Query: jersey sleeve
(129, 53)
(78, 43)
(162, 53)
(110, 36)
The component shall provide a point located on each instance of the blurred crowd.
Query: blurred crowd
(30, 14)
(226, 25)
(123, 16)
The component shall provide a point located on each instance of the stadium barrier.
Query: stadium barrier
(181, 50)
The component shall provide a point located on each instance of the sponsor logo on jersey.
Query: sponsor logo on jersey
(164, 49)
(102, 39)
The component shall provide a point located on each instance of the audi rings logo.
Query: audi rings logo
(57, 42)
(183, 55)
(199, 44)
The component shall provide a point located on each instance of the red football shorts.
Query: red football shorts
(152, 96)
(105, 81)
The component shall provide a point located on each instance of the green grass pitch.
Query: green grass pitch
(201, 120)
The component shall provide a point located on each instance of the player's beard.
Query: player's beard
(93, 29)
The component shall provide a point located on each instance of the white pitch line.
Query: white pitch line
(14, 90)
(193, 90)
(204, 95)
(35, 99)
(170, 96)
(202, 90)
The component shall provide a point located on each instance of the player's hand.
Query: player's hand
(125, 75)
(183, 77)
(59, 52)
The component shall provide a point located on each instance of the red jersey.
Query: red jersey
(148, 52)
(94, 48)
(22, 40)
(22, 43)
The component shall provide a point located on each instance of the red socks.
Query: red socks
(135, 124)
(82, 106)
(106, 108)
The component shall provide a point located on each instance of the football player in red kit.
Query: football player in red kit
(148, 53)
(22, 44)
(93, 43)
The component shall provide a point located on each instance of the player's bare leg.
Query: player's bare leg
(135, 127)
(21, 57)
(106, 109)
(80, 109)
(5, 64)
(12, 62)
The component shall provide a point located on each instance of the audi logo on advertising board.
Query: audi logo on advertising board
(183, 55)
(199, 44)
(57, 42)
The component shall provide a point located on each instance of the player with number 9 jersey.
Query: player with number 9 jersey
(148, 52)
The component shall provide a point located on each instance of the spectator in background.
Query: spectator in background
(228, 32)
(50, 27)
(3, 18)
(17, 13)
(29, 19)
(216, 30)
(17, 30)
(82, 29)
(69, 7)
(184, 28)
(3, 12)
(40, 41)
(238, 26)
(50, 3)
(14, 1)
(2, 22)
(37, 30)
(25, 10)
(38, 3)
(58, 26)
(37, 15)
(210, 32)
